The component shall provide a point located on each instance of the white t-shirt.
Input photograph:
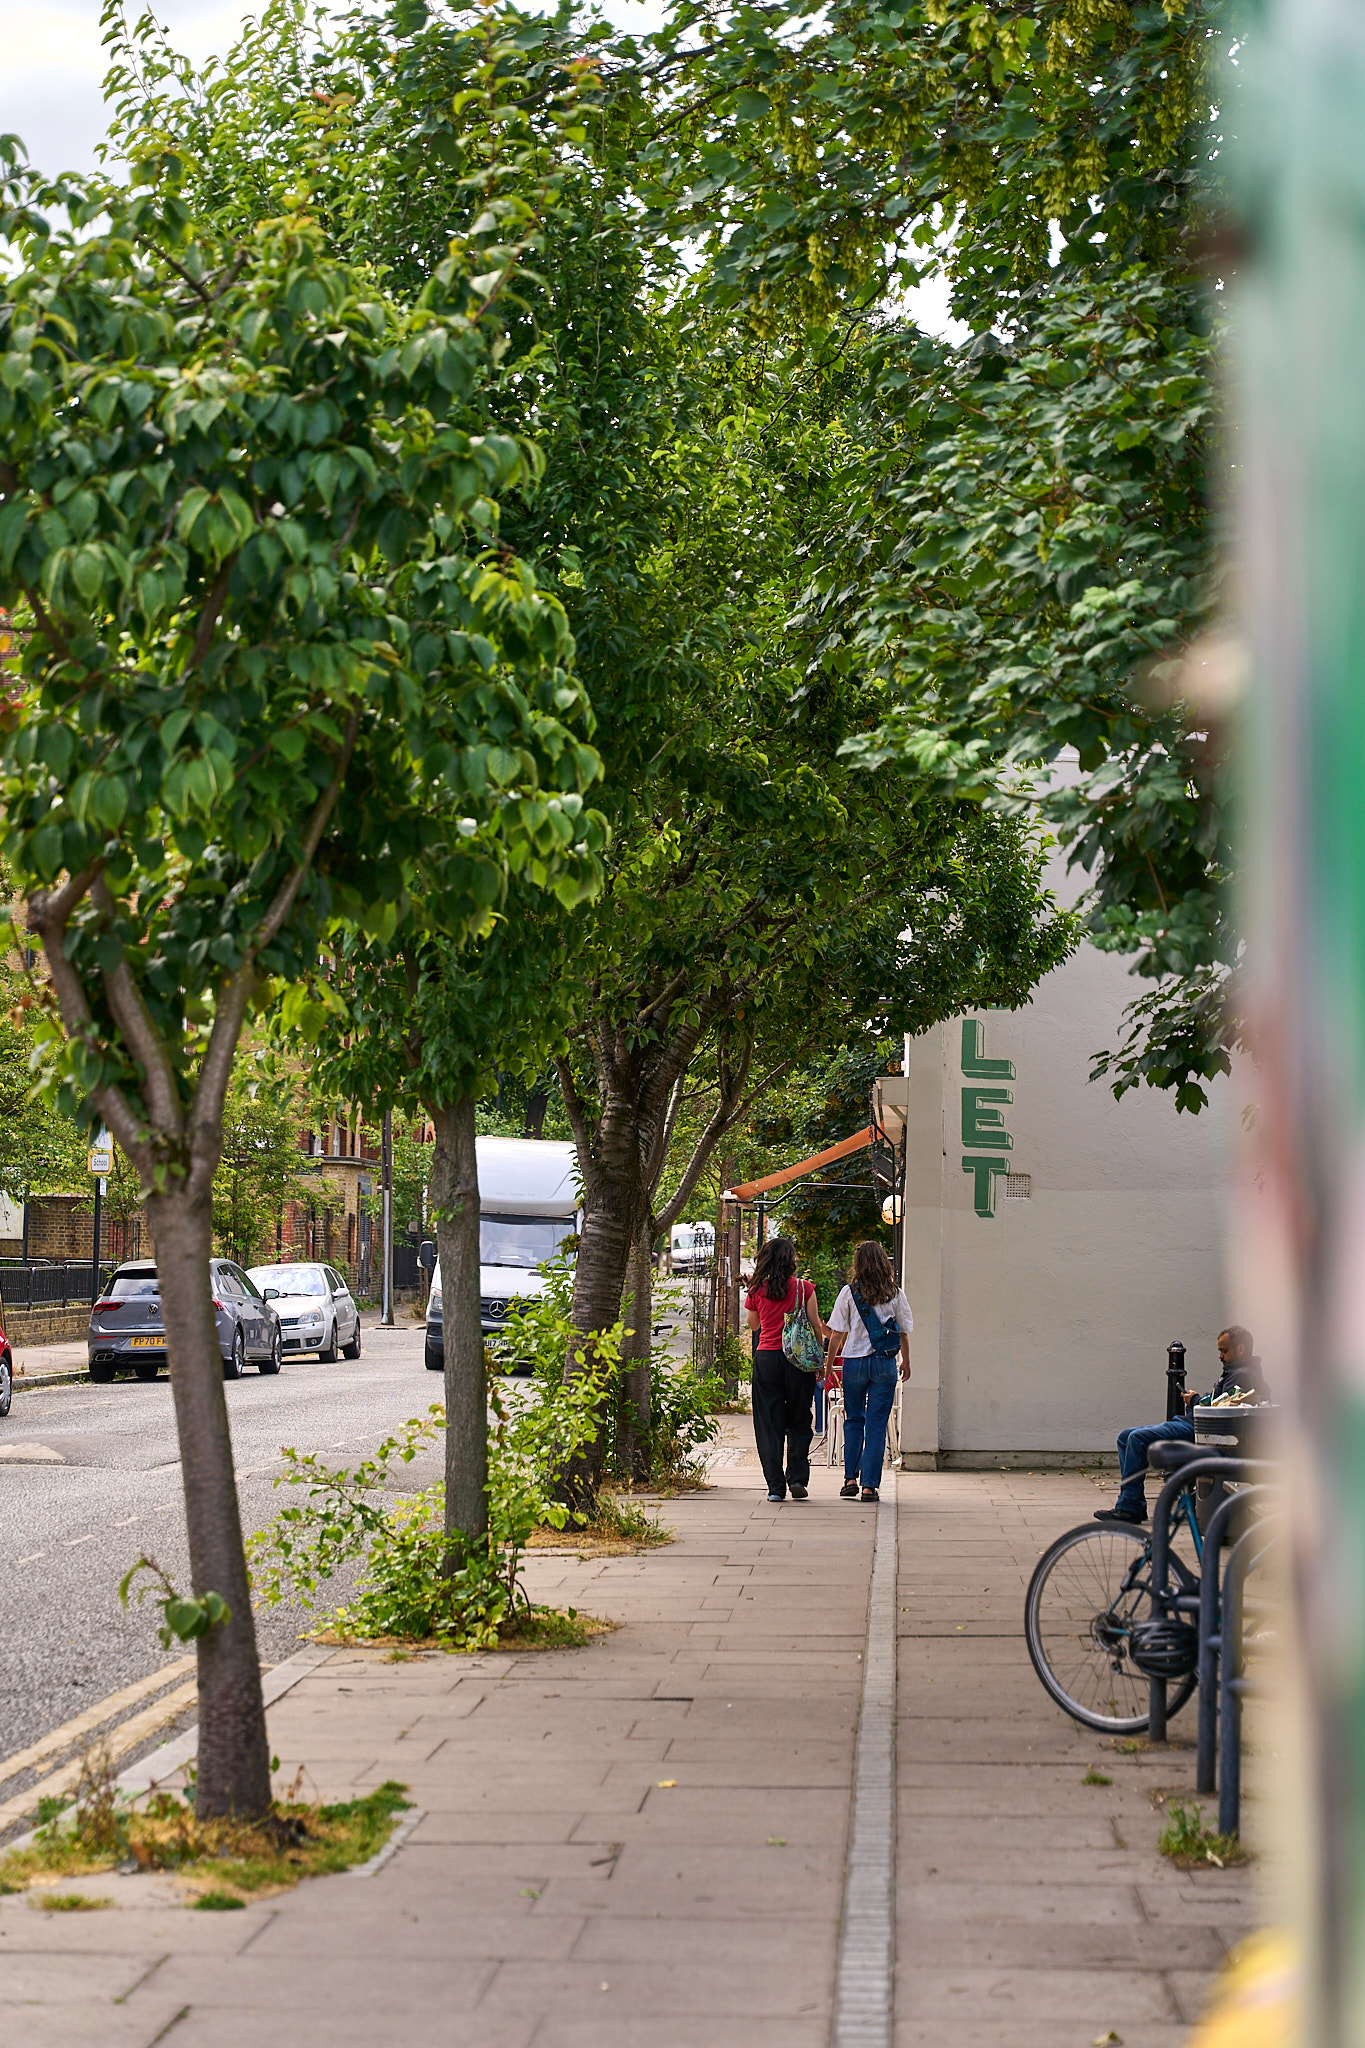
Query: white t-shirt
(844, 1316)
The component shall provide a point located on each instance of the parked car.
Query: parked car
(6, 1374)
(692, 1246)
(127, 1332)
(315, 1307)
(528, 1206)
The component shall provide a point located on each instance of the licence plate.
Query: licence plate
(149, 1343)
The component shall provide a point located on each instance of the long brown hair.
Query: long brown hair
(873, 1274)
(773, 1268)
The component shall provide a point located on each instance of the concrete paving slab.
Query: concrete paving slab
(548, 1859)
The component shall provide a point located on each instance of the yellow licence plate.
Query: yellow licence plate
(149, 1343)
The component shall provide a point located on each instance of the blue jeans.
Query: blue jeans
(1133, 1445)
(869, 1390)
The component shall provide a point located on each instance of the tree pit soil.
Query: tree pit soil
(229, 1857)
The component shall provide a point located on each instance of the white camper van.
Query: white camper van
(528, 1205)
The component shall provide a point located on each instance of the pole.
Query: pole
(386, 1217)
(95, 1256)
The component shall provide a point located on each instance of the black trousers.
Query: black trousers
(782, 1399)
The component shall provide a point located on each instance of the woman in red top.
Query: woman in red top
(782, 1395)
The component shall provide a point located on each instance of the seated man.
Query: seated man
(1240, 1369)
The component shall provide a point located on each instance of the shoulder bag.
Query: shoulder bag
(800, 1344)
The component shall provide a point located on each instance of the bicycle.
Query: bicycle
(1088, 1591)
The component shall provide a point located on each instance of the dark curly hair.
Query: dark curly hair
(773, 1268)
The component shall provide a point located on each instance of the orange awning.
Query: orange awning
(747, 1189)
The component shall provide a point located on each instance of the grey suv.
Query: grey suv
(127, 1333)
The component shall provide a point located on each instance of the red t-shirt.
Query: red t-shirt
(772, 1314)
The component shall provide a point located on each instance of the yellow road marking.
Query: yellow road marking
(126, 1736)
(104, 1710)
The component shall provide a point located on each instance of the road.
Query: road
(97, 1482)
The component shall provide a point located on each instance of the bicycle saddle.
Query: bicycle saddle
(1171, 1456)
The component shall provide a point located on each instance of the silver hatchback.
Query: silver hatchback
(127, 1333)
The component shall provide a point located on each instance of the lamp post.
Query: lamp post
(386, 1217)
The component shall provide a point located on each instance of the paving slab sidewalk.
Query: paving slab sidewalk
(643, 1841)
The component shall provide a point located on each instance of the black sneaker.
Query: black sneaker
(1120, 1515)
(799, 1493)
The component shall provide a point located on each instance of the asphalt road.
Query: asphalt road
(72, 1524)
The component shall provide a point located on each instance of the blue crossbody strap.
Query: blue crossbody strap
(884, 1337)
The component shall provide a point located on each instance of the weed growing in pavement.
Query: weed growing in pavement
(228, 1857)
(1188, 1842)
(218, 1902)
(69, 1902)
(1094, 1777)
(408, 1591)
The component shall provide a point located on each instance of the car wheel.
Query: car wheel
(272, 1364)
(6, 1386)
(233, 1367)
(328, 1354)
(147, 1368)
(352, 1350)
(101, 1374)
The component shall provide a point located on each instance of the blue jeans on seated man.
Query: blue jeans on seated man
(869, 1390)
(1133, 1446)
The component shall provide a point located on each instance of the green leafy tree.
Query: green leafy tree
(262, 1164)
(1023, 559)
(270, 656)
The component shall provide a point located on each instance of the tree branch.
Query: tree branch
(724, 1116)
(212, 610)
(49, 916)
(130, 1014)
(317, 824)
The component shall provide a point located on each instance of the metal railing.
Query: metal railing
(41, 1283)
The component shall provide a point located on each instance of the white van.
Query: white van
(528, 1205)
(692, 1246)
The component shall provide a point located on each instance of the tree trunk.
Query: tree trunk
(537, 1102)
(612, 1205)
(234, 1753)
(455, 1205)
(635, 1391)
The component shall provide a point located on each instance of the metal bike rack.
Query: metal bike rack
(1210, 1629)
(1233, 1683)
(1214, 1465)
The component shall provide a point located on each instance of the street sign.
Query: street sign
(102, 1155)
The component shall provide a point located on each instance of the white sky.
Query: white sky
(52, 62)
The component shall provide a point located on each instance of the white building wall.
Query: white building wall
(1042, 1328)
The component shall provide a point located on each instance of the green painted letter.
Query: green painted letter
(985, 1170)
(984, 1127)
(975, 1065)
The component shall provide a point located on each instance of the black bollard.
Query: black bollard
(1175, 1380)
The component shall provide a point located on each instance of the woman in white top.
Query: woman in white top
(870, 1325)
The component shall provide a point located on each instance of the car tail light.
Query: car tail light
(110, 1303)
(218, 1304)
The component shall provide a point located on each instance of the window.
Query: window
(291, 1279)
(128, 1286)
(247, 1284)
(525, 1241)
(337, 1283)
(228, 1283)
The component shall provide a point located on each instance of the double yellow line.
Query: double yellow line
(127, 1735)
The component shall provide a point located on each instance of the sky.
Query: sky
(52, 62)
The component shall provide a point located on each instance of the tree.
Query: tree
(427, 1024)
(1025, 557)
(262, 1165)
(270, 658)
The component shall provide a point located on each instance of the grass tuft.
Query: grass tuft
(69, 1902)
(1189, 1843)
(1094, 1777)
(293, 1841)
(219, 1902)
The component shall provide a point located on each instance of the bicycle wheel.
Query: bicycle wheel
(1086, 1592)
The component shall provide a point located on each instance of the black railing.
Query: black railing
(30, 1283)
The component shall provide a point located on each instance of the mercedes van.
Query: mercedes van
(528, 1205)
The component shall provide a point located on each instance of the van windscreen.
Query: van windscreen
(521, 1240)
